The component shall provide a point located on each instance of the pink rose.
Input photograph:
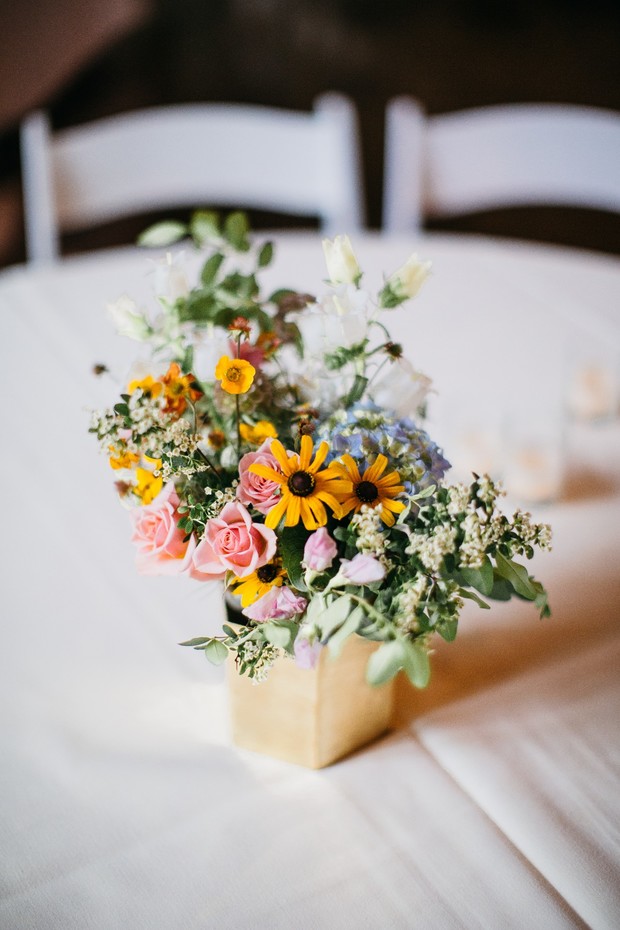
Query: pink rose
(277, 604)
(232, 542)
(320, 550)
(362, 569)
(252, 489)
(160, 543)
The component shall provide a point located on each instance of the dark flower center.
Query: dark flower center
(301, 483)
(367, 492)
(267, 573)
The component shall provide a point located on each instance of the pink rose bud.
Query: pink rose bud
(276, 604)
(320, 550)
(306, 655)
(161, 545)
(252, 489)
(362, 569)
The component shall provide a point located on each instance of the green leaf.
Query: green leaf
(205, 226)
(197, 641)
(121, 409)
(162, 234)
(265, 256)
(236, 231)
(479, 578)
(292, 542)
(416, 665)
(357, 390)
(386, 662)
(211, 268)
(502, 589)
(334, 615)
(216, 652)
(517, 576)
(200, 307)
(277, 634)
(447, 629)
(471, 596)
(350, 626)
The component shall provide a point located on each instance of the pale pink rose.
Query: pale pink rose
(306, 655)
(320, 550)
(252, 489)
(232, 542)
(160, 543)
(362, 569)
(277, 604)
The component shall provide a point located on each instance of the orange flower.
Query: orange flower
(178, 389)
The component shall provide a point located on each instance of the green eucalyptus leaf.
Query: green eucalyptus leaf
(162, 234)
(416, 663)
(197, 641)
(216, 652)
(386, 662)
(277, 634)
(350, 626)
(447, 629)
(334, 615)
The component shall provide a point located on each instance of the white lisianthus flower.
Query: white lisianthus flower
(406, 282)
(401, 388)
(170, 278)
(129, 321)
(339, 319)
(341, 262)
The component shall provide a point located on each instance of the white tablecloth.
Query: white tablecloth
(123, 803)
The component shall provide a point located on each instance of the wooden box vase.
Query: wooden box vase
(310, 716)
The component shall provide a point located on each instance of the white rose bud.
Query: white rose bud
(341, 262)
(406, 282)
(127, 321)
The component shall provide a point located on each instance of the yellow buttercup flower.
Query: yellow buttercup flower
(268, 576)
(235, 374)
(373, 488)
(255, 435)
(148, 485)
(305, 488)
(147, 385)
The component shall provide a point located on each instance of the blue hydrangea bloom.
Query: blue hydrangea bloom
(366, 430)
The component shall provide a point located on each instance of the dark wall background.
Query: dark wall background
(449, 53)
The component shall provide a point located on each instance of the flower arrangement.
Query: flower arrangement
(310, 488)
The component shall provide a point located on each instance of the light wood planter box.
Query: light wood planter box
(310, 716)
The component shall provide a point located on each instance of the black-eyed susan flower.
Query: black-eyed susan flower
(305, 488)
(235, 374)
(261, 581)
(373, 488)
(255, 435)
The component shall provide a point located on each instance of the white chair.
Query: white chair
(297, 163)
(499, 156)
